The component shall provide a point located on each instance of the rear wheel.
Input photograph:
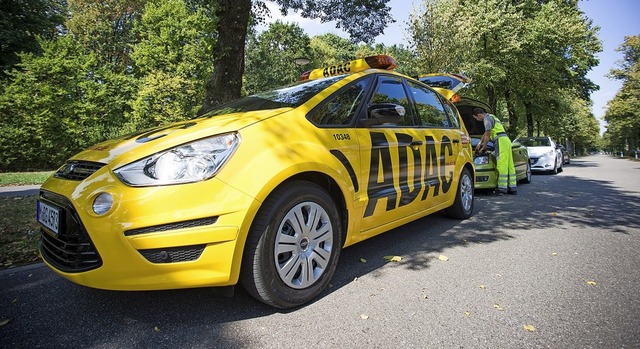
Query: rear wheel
(527, 178)
(293, 246)
(463, 205)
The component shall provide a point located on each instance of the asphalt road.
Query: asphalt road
(561, 257)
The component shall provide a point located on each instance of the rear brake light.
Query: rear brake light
(464, 138)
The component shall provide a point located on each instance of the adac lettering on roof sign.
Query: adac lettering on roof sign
(337, 69)
(428, 166)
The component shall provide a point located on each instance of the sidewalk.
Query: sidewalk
(22, 190)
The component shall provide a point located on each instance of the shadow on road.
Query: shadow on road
(107, 318)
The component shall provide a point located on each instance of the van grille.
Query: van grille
(78, 170)
(71, 250)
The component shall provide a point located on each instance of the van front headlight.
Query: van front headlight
(187, 163)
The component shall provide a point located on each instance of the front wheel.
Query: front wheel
(293, 246)
(555, 167)
(463, 205)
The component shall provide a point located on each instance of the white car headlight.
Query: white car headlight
(187, 163)
(481, 160)
(550, 154)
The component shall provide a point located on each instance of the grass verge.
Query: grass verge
(19, 231)
(23, 178)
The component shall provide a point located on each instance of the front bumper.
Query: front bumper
(486, 175)
(541, 164)
(166, 237)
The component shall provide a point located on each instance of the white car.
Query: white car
(544, 154)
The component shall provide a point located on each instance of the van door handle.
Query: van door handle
(456, 141)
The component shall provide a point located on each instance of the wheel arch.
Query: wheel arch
(325, 181)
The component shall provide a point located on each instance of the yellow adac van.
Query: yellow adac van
(264, 191)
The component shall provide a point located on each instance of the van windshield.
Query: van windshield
(290, 96)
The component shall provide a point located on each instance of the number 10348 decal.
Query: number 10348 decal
(341, 136)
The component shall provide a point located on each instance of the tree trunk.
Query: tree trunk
(527, 108)
(513, 117)
(225, 83)
(492, 99)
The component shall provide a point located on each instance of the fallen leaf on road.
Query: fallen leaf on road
(393, 258)
(483, 287)
(498, 307)
(363, 260)
(592, 283)
(529, 328)
(443, 258)
(554, 214)
(467, 313)
(364, 316)
(554, 254)
(157, 329)
(4, 322)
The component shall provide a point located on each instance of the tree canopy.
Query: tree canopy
(234, 17)
(84, 71)
(21, 22)
(623, 110)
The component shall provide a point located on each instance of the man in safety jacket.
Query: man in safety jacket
(494, 130)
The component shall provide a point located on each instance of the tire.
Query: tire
(527, 179)
(463, 205)
(561, 168)
(555, 167)
(293, 246)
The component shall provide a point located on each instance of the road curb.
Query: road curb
(20, 190)
(22, 268)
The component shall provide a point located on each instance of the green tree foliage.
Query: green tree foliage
(270, 57)
(432, 30)
(329, 49)
(21, 22)
(105, 28)
(147, 66)
(57, 104)
(171, 62)
(362, 19)
(522, 55)
(623, 113)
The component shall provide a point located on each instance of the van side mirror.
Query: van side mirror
(384, 113)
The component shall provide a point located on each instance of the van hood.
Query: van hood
(121, 151)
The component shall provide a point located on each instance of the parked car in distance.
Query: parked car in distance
(544, 155)
(485, 162)
(566, 157)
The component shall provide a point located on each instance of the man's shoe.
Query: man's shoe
(512, 192)
(498, 192)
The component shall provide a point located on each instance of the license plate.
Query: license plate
(49, 216)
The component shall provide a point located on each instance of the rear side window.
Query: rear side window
(452, 114)
(340, 109)
(429, 108)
